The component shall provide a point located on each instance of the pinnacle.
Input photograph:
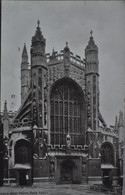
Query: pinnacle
(38, 22)
(91, 32)
(91, 43)
(38, 33)
(91, 40)
(66, 47)
(24, 53)
(5, 105)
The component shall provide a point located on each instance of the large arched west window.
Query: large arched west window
(67, 113)
(107, 153)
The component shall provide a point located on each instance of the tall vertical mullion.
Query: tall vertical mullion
(67, 114)
(68, 109)
(59, 119)
(72, 124)
(54, 122)
(63, 115)
(73, 121)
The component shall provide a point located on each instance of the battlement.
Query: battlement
(63, 148)
(77, 60)
(57, 56)
(60, 56)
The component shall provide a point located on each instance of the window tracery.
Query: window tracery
(67, 114)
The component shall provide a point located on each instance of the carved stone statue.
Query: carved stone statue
(68, 140)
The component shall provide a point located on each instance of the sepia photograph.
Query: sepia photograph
(62, 117)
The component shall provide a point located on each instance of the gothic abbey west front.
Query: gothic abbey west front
(58, 132)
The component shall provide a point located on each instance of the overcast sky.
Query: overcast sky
(67, 21)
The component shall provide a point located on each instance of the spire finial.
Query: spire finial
(53, 52)
(66, 44)
(91, 32)
(38, 22)
(24, 53)
(5, 109)
(5, 105)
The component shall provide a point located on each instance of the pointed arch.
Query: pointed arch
(23, 152)
(66, 171)
(107, 153)
(67, 112)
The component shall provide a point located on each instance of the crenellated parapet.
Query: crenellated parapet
(65, 64)
(61, 150)
(58, 57)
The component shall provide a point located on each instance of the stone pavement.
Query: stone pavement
(47, 188)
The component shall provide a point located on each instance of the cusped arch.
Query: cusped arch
(69, 80)
(67, 112)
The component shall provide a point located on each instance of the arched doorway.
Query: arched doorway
(23, 162)
(107, 153)
(66, 171)
(23, 152)
(107, 163)
(67, 112)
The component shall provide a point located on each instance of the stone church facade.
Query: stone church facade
(58, 132)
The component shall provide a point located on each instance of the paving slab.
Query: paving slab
(46, 188)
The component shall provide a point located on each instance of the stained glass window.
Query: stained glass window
(67, 113)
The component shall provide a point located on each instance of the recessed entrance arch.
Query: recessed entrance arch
(66, 171)
(23, 154)
(67, 112)
(23, 162)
